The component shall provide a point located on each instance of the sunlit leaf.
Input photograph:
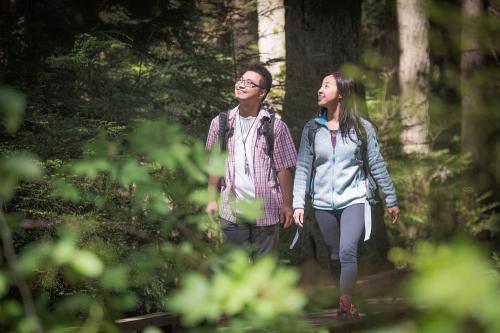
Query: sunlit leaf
(195, 290)
(202, 197)
(17, 167)
(151, 329)
(87, 263)
(64, 251)
(248, 209)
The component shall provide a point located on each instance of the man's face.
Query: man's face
(249, 87)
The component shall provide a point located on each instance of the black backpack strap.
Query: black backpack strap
(268, 133)
(224, 133)
(366, 167)
(312, 129)
(267, 129)
(223, 117)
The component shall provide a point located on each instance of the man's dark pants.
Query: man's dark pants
(263, 239)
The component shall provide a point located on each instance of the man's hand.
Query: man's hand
(211, 209)
(298, 217)
(286, 216)
(394, 211)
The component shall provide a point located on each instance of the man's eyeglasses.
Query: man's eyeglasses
(248, 83)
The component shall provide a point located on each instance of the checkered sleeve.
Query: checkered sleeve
(285, 155)
(213, 134)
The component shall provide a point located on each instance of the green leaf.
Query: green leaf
(248, 209)
(216, 165)
(64, 190)
(20, 166)
(132, 172)
(446, 280)
(91, 168)
(33, 257)
(64, 251)
(195, 290)
(87, 263)
(202, 197)
(115, 278)
(4, 285)
(12, 105)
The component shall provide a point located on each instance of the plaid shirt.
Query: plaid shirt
(265, 180)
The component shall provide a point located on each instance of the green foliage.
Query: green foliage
(457, 286)
(141, 229)
(12, 106)
(436, 197)
(241, 292)
(251, 210)
(119, 190)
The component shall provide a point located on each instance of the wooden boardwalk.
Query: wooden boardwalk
(380, 306)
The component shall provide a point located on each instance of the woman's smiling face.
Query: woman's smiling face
(328, 92)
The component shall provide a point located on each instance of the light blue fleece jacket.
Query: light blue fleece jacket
(338, 178)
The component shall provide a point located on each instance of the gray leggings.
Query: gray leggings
(342, 230)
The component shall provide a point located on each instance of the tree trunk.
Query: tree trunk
(414, 67)
(271, 14)
(243, 22)
(471, 59)
(321, 35)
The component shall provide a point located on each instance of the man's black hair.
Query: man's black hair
(266, 76)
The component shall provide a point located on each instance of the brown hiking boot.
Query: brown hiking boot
(346, 309)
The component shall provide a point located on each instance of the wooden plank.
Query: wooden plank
(374, 313)
(162, 320)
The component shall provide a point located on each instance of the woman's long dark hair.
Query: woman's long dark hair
(352, 105)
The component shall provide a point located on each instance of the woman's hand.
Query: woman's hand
(394, 211)
(298, 217)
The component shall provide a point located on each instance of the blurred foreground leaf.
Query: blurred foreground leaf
(455, 283)
(12, 105)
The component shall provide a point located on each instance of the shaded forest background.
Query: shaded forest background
(103, 170)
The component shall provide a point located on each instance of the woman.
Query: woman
(332, 171)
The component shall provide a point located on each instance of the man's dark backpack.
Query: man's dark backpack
(266, 129)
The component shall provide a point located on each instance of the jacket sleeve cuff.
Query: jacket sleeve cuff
(298, 206)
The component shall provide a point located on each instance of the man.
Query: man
(250, 172)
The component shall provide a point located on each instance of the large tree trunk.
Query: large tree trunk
(471, 59)
(414, 67)
(321, 35)
(243, 16)
(271, 15)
